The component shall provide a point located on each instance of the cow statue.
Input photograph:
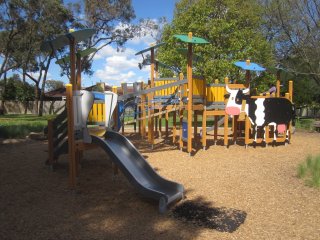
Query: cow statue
(276, 112)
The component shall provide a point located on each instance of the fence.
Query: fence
(16, 107)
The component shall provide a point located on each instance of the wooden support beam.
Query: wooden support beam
(226, 128)
(143, 110)
(204, 128)
(71, 140)
(174, 127)
(190, 96)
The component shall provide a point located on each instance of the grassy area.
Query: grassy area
(310, 171)
(305, 124)
(20, 125)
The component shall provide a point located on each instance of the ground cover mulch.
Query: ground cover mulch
(233, 193)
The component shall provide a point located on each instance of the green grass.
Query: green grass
(20, 125)
(310, 171)
(305, 124)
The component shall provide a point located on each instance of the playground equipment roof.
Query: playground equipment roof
(148, 49)
(194, 40)
(249, 66)
(62, 40)
(82, 53)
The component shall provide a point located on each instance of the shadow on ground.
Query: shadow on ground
(202, 214)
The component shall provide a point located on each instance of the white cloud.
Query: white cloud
(37, 74)
(120, 67)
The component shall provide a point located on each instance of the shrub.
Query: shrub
(310, 171)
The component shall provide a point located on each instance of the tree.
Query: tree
(110, 19)
(17, 90)
(294, 27)
(53, 85)
(231, 27)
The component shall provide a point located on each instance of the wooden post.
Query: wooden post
(195, 127)
(278, 83)
(216, 118)
(181, 128)
(248, 75)
(190, 95)
(290, 90)
(73, 63)
(150, 98)
(160, 126)
(226, 129)
(226, 118)
(174, 127)
(246, 131)
(167, 124)
(71, 140)
(115, 113)
(204, 128)
(150, 121)
(143, 110)
(78, 78)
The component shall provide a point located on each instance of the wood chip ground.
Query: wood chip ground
(259, 184)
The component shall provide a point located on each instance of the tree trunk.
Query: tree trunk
(26, 103)
(2, 109)
(44, 84)
(36, 100)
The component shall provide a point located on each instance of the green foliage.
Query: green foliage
(19, 126)
(53, 85)
(305, 124)
(15, 89)
(310, 171)
(231, 27)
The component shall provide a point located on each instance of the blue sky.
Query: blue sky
(114, 67)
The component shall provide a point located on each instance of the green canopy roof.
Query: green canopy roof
(194, 40)
(148, 49)
(82, 53)
(62, 40)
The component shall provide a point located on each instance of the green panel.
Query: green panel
(148, 49)
(82, 53)
(57, 43)
(63, 40)
(82, 35)
(63, 60)
(194, 40)
(86, 52)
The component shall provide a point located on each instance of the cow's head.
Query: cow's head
(235, 99)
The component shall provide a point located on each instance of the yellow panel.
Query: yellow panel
(90, 116)
(94, 111)
(100, 112)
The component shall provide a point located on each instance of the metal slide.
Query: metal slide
(138, 171)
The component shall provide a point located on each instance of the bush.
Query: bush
(310, 171)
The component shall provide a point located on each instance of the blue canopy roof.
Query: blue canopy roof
(251, 66)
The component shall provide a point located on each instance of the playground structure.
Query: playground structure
(163, 98)
(69, 132)
(188, 98)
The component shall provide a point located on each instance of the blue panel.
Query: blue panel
(252, 66)
(98, 95)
